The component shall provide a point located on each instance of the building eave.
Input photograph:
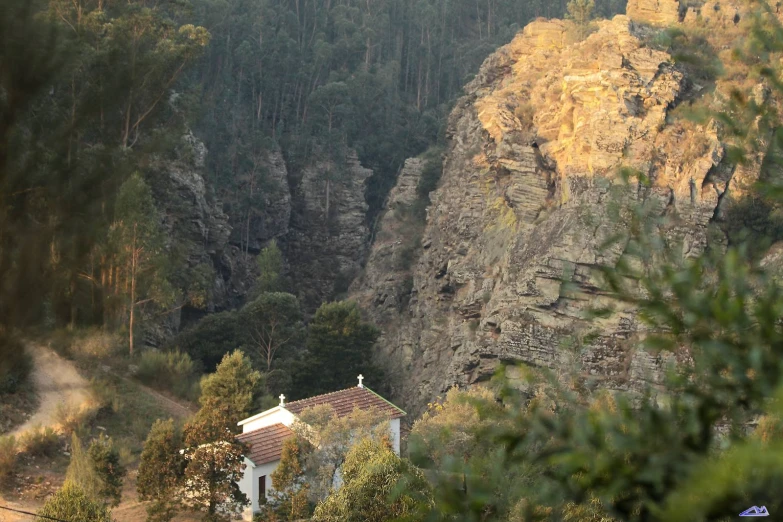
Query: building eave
(262, 415)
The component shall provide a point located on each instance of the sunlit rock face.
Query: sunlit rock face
(661, 12)
(526, 198)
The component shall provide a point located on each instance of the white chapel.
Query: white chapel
(265, 433)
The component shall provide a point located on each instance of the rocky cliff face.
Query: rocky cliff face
(328, 237)
(325, 235)
(206, 268)
(385, 285)
(271, 219)
(662, 12)
(525, 197)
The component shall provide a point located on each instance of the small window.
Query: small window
(262, 489)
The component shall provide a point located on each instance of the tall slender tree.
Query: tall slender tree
(137, 242)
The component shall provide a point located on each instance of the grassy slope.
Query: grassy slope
(129, 410)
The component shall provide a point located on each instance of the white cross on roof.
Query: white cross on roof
(282, 400)
(361, 377)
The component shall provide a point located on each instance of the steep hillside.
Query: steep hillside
(317, 213)
(525, 197)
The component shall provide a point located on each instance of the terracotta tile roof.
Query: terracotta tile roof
(345, 401)
(266, 444)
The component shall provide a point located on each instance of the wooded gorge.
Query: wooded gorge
(569, 277)
(115, 85)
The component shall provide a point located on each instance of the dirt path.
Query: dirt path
(57, 382)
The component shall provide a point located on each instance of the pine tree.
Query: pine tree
(106, 461)
(81, 471)
(581, 11)
(231, 389)
(337, 338)
(96, 472)
(161, 471)
(273, 321)
(270, 266)
(214, 465)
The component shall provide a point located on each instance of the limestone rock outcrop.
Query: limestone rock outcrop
(525, 200)
(659, 12)
(385, 284)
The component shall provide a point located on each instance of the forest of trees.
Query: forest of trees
(84, 111)
(114, 85)
(316, 76)
(111, 87)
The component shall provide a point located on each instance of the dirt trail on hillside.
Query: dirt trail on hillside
(57, 381)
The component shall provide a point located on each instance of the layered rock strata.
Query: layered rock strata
(526, 200)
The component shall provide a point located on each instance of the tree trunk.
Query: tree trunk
(126, 125)
(134, 260)
(327, 199)
(73, 300)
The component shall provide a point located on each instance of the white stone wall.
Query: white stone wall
(246, 486)
(394, 425)
(249, 485)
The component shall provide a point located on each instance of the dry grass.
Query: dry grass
(41, 441)
(86, 346)
(8, 459)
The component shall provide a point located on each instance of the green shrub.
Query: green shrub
(15, 364)
(753, 221)
(213, 337)
(71, 503)
(172, 371)
(8, 458)
(95, 343)
(153, 367)
(107, 397)
(405, 256)
(40, 442)
(473, 324)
